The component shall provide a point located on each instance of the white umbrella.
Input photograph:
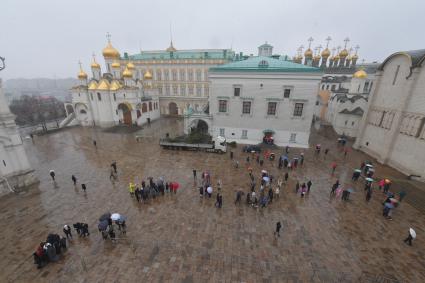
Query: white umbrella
(358, 170)
(412, 233)
(263, 171)
(369, 165)
(115, 216)
(369, 179)
(266, 179)
(209, 190)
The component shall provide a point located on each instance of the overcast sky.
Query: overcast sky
(47, 38)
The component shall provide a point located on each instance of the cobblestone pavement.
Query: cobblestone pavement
(182, 238)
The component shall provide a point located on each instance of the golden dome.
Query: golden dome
(316, 58)
(116, 64)
(115, 85)
(336, 57)
(92, 85)
(360, 74)
(110, 52)
(127, 73)
(82, 75)
(326, 53)
(147, 75)
(343, 53)
(103, 85)
(354, 57)
(95, 65)
(130, 66)
(308, 53)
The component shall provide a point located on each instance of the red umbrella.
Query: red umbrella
(175, 185)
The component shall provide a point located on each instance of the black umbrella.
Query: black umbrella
(103, 225)
(105, 216)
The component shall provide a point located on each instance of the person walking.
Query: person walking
(67, 231)
(270, 195)
(334, 187)
(247, 159)
(52, 174)
(114, 166)
(83, 187)
(95, 143)
(326, 153)
(333, 165)
(286, 177)
(297, 187)
(277, 192)
(231, 154)
(410, 237)
(238, 197)
(309, 183)
(194, 174)
(278, 226)
(74, 180)
(303, 189)
(287, 149)
(217, 199)
(137, 193)
(369, 194)
(220, 201)
(302, 159)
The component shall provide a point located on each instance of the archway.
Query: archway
(126, 113)
(172, 109)
(69, 109)
(199, 126)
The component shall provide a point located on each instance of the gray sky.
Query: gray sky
(46, 38)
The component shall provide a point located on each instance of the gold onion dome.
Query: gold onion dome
(110, 52)
(95, 65)
(308, 53)
(343, 53)
(360, 74)
(326, 52)
(355, 57)
(82, 75)
(116, 64)
(317, 57)
(130, 66)
(127, 73)
(147, 75)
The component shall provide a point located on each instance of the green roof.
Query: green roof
(265, 45)
(265, 64)
(184, 54)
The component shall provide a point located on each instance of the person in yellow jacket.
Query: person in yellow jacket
(131, 188)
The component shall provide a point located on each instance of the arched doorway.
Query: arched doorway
(126, 113)
(172, 109)
(69, 109)
(199, 126)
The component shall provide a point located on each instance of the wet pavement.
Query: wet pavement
(182, 238)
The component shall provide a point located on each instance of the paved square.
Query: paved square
(182, 238)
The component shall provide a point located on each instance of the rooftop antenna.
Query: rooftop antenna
(328, 39)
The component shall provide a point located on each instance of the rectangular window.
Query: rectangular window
(159, 75)
(246, 107)
(420, 128)
(271, 108)
(333, 87)
(167, 90)
(298, 109)
(366, 87)
(198, 75)
(190, 75)
(396, 74)
(323, 87)
(99, 97)
(182, 75)
(198, 90)
(91, 95)
(115, 97)
(293, 137)
(174, 73)
(175, 90)
(327, 87)
(222, 106)
(182, 90)
(160, 90)
(166, 75)
(287, 92)
(244, 134)
(206, 90)
(79, 94)
(222, 132)
(206, 75)
(190, 89)
(236, 91)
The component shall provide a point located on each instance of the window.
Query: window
(166, 75)
(198, 75)
(244, 134)
(206, 90)
(150, 106)
(160, 90)
(206, 75)
(352, 123)
(236, 91)
(293, 137)
(287, 92)
(167, 90)
(182, 90)
(190, 75)
(396, 74)
(222, 132)
(366, 87)
(222, 106)
(79, 94)
(115, 97)
(333, 87)
(99, 97)
(91, 95)
(371, 84)
(246, 107)
(198, 90)
(159, 75)
(298, 109)
(327, 87)
(190, 89)
(174, 74)
(182, 75)
(323, 87)
(346, 123)
(175, 90)
(271, 108)
(317, 102)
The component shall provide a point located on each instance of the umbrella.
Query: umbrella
(103, 225)
(389, 205)
(263, 171)
(122, 218)
(105, 216)
(358, 170)
(369, 165)
(369, 179)
(175, 185)
(387, 181)
(371, 170)
(393, 200)
(209, 190)
(266, 179)
(412, 233)
(350, 190)
(115, 216)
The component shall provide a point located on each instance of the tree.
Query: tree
(33, 110)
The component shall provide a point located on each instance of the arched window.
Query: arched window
(150, 106)
(144, 108)
(138, 113)
(263, 64)
(82, 111)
